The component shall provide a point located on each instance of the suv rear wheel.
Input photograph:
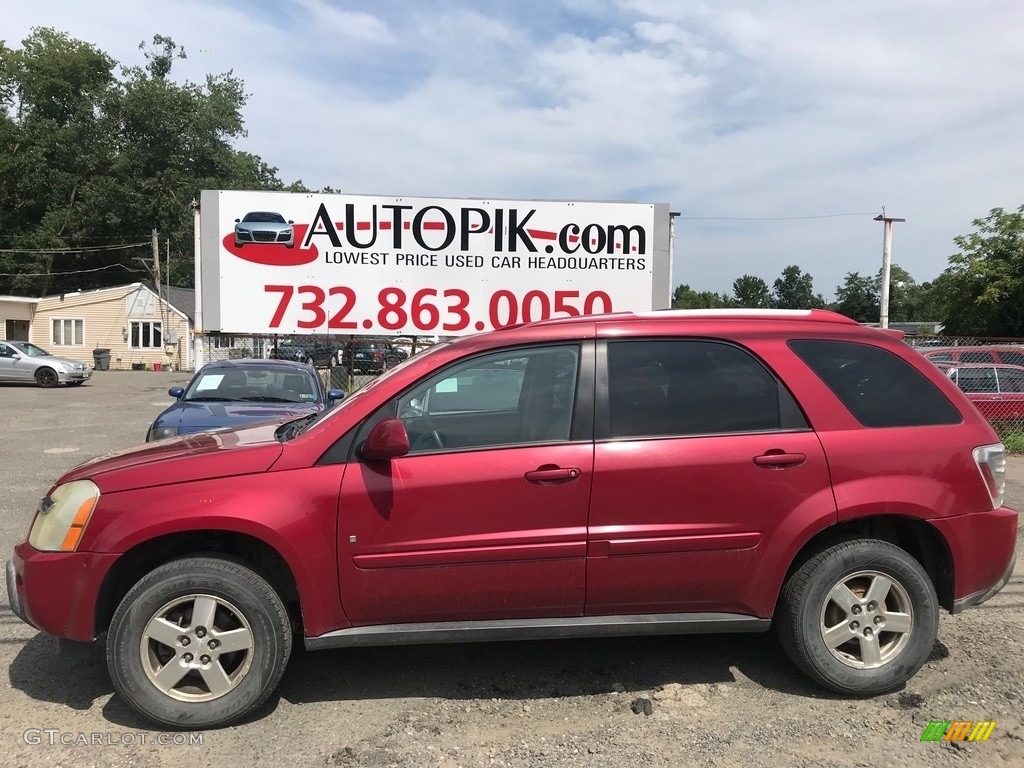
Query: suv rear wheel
(860, 617)
(199, 642)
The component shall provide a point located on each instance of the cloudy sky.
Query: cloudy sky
(776, 129)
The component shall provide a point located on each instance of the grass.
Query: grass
(1013, 439)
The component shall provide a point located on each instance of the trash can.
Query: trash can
(101, 358)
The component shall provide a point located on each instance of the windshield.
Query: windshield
(254, 384)
(275, 218)
(30, 350)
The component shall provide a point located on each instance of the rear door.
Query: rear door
(704, 468)
(485, 518)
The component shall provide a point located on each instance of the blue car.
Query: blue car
(236, 392)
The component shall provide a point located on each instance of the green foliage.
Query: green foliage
(750, 291)
(1013, 439)
(92, 157)
(685, 297)
(982, 290)
(795, 290)
(857, 297)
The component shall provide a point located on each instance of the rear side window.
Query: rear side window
(672, 387)
(977, 379)
(878, 387)
(1012, 358)
(1011, 380)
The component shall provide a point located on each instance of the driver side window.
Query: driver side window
(511, 397)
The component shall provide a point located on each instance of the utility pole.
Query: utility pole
(886, 265)
(156, 264)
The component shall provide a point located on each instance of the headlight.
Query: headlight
(62, 517)
(159, 433)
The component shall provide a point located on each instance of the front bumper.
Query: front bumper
(65, 376)
(57, 592)
(13, 593)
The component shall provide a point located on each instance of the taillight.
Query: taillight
(991, 460)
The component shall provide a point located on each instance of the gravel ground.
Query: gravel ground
(714, 700)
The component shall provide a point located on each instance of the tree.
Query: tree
(981, 292)
(795, 290)
(90, 157)
(685, 297)
(857, 297)
(750, 291)
(906, 297)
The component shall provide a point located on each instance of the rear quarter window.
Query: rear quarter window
(879, 388)
(1011, 358)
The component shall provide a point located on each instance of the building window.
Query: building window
(147, 334)
(65, 332)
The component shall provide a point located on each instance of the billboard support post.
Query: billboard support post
(197, 341)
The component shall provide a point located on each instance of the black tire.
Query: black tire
(877, 641)
(47, 377)
(241, 603)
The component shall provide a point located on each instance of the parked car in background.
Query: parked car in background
(318, 352)
(21, 361)
(996, 390)
(668, 472)
(361, 356)
(236, 392)
(264, 227)
(1007, 354)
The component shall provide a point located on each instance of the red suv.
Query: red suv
(670, 472)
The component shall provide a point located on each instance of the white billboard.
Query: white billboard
(279, 262)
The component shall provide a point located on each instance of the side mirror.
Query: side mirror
(16, 356)
(333, 395)
(237, 220)
(290, 221)
(176, 392)
(387, 440)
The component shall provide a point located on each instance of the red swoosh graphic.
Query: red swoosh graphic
(274, 254)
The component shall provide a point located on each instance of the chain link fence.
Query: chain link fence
(990, 371)
(343, 362)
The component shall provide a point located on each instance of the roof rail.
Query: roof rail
(822, 315)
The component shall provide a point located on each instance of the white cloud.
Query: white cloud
(726, 109)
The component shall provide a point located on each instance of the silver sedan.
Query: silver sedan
(21, 361)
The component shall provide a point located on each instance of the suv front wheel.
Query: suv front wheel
(860, 617)
(199, 642)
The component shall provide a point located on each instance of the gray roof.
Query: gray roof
(182, 299)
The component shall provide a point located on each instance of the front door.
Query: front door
(13, 365)
(486, 517)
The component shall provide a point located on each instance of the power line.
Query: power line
(70, 272)
(774, 218)
(86, 249)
